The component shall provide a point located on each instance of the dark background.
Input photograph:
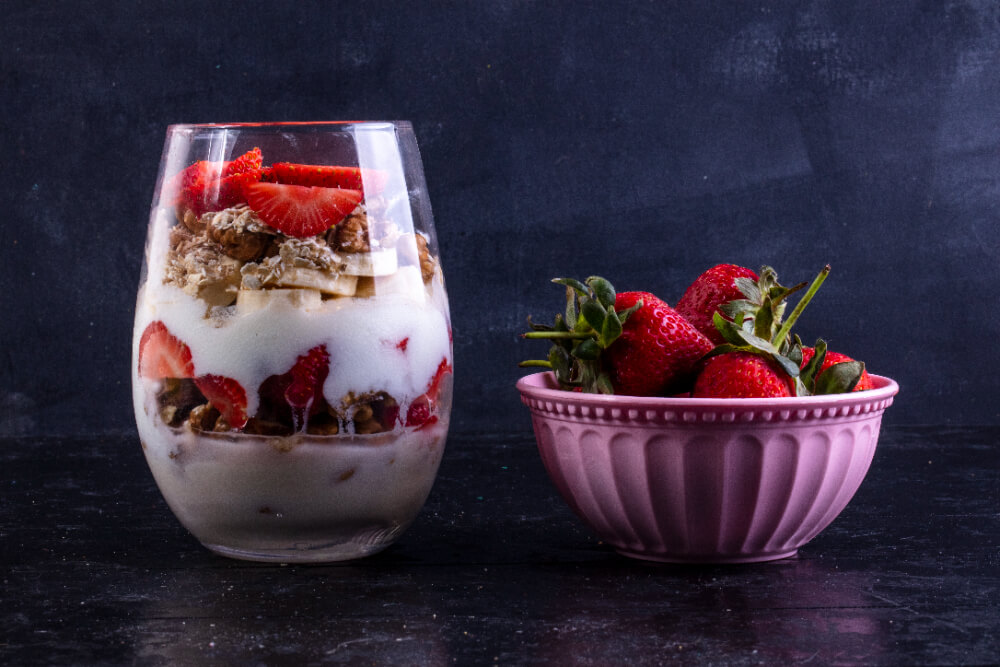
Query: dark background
(644, 141)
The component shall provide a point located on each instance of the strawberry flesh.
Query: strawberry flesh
(227, 396)
(421, 409)
(300, 210)
(211, 186)
(326, 176)
(163, 355)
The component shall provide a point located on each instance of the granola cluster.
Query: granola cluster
(219, 253)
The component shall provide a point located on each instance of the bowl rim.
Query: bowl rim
(542, 386)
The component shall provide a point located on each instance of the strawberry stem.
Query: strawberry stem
(542, 363)
(800, 306)
(574, 335)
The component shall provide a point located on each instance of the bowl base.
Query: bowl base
(708, 559)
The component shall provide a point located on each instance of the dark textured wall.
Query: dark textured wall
(644, 141)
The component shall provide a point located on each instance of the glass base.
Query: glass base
(360, 545)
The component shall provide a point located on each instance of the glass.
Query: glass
(292, 355)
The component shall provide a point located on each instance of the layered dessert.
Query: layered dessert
(292, 357)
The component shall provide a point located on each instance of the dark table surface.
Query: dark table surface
(95, 570)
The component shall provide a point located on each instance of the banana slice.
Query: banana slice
(328, 283)
(248, 301)
(376, 263)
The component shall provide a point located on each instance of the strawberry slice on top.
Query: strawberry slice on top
(163, 355)
(326, 176)
(301, 210)
(211, 185)
(227, 396)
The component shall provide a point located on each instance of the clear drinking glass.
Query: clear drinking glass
(292, 356)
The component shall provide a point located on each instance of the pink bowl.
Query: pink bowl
(706, 480)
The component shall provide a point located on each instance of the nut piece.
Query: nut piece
(351, 235)
(240, 232)
(203, 418)
(195, 224)
(427, 263)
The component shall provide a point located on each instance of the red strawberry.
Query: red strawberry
(326, 176)
(832, 358)
(658, 350)
(742, 375)
(292, 396)
(210, 186)
(709, 291)
(227, 396)
(249, 162)
(162, 355)
(306, 378)
(298, 210)
(422, 407)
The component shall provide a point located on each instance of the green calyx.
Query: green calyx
(587, 327)
(756, 325)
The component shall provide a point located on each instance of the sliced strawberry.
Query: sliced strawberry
(434, 388)
(248, 162)
(423, 406)
(163, 355)
(299, 210)
(307, 377)
(227, 396)
(327, 176)
(210, 186)
(419, 412)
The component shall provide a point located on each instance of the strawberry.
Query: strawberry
(326, 176)
(742, 375)
(862, 383)
(299, 210)
(297, 393)
(422, 407)
(305, 387)
(710, 290)
(162, 355)
(631, 343)
(211, 186)
(227, 396)
(657, 351)
(249, 162)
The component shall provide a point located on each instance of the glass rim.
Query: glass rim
(332, 124)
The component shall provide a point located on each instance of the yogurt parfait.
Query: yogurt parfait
(292, 356)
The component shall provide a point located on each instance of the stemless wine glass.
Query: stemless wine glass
(292, 356)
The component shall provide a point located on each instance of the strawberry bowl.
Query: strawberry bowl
(699, 480)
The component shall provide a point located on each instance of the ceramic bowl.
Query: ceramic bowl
(706, 480)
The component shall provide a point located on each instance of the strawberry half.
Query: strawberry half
(423, 406)
(299, 210)
(163, 355)
(326, 176)
(306, 378)
(227, 396)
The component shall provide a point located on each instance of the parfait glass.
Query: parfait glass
(292, 355)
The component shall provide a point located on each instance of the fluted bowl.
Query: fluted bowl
(706, 480)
